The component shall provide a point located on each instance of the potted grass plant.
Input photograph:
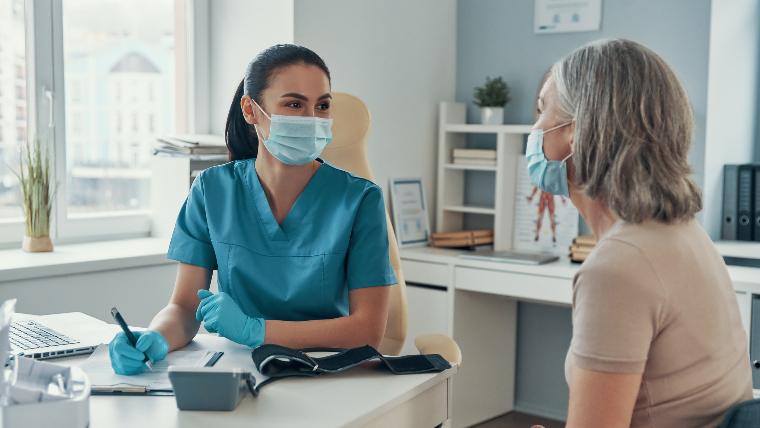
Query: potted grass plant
(37, 192)
(491, 98)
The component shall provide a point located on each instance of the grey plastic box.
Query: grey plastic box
(208, 388)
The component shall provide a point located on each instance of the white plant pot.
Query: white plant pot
(492, 115)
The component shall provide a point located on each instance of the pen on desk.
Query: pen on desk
(130, 336)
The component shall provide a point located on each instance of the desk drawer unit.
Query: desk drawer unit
(427, 273)
(521, 286)
(427, 299)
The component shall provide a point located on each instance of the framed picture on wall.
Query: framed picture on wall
(410, 218)
(567, 16)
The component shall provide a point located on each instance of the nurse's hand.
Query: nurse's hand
(128, 360)
(221, 314)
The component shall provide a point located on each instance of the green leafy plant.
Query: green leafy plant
(494, 93)
(37, 189)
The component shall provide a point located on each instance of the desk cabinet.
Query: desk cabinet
(427, 286)
(528, 287)
(428, 313)
(427, 273)
(479, 392)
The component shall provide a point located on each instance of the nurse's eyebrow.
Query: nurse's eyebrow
(303, 97)
(294, 95)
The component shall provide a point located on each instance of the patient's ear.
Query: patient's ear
(570, 129)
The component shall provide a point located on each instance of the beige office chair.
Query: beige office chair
(348, 151)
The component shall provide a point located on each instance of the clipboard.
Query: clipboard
(155, 382)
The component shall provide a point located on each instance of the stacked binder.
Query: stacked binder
(581, 248)
(197, 146)
(462, 239)
(741, 203)
(479, 157)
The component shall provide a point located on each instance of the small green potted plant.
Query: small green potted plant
(38, 192)
(491, 98)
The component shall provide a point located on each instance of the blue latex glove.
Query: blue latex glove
(128, 360)
(220, 314)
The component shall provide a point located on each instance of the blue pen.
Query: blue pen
(130, 336)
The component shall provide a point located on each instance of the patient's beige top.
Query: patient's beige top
(657, 299)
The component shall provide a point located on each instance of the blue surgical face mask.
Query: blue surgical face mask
(548, 175)
(296, 140)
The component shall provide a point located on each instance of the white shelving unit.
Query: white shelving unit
(451, 208)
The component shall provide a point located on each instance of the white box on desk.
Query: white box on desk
(71, 413)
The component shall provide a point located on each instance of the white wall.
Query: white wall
(138, 293)
(400, 58)
(238, 30)
(732, 89)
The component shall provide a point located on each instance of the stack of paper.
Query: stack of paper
(478, 157)
(582, 247)
(196, 146)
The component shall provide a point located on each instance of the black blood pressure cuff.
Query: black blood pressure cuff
(276, 362)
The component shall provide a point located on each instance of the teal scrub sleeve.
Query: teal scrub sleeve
(191, 242)
(368, 263)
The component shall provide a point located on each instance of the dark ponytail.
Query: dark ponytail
(241, 138)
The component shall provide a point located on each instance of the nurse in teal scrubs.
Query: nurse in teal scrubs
(300, 247)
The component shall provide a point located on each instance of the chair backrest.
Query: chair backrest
(743, 415)
(348, 151)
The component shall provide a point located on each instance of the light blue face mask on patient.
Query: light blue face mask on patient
(296, 140)
(548, 175)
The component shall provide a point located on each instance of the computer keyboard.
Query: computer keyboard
(27, 334)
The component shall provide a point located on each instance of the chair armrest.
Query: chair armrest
(439, 344)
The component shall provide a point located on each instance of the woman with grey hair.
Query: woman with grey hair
(657, 336)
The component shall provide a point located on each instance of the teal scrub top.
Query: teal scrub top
(333, 240)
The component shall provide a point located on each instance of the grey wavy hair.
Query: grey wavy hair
(633, 130)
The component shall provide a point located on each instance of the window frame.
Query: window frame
(45, 83)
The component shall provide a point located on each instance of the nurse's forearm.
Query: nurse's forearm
(177, 324)
(344, 332)
(368, 308)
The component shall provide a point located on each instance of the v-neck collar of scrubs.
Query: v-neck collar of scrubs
(294, 217)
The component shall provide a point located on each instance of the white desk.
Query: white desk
(480, 312)
(360, 397)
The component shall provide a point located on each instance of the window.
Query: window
(115, 45)
(75, 92)
(12, 105)
(95, 70)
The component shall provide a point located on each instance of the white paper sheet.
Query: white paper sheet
(103, 378)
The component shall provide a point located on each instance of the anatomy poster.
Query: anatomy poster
(542, 221)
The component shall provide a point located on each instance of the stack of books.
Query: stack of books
(196, 146)
(465, 238)
(581, 248)
(478, 157)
